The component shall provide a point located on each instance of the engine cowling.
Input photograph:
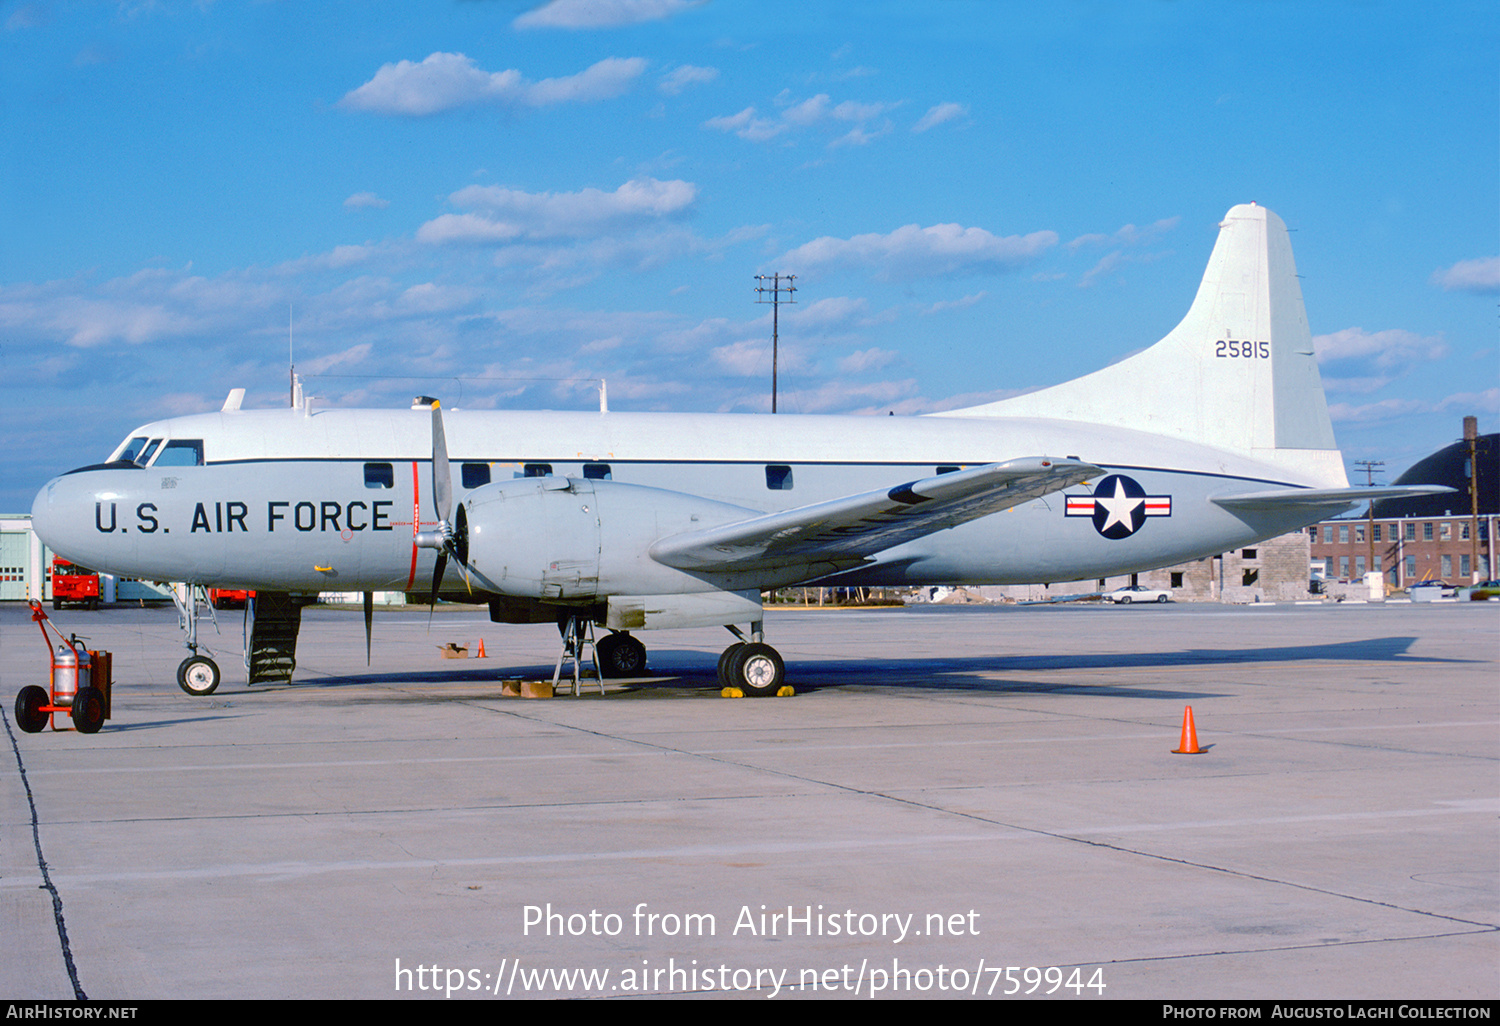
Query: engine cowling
(575, 540)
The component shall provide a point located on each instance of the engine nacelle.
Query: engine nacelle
(574, 540)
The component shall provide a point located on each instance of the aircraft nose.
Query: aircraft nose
(43, 521)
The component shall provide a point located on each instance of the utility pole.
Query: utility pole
(775, 289)
(1471, 436)
(1369, 468)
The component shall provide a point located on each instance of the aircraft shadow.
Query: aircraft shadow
(685, 671)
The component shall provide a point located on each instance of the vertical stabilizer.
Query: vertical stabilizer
(1237, 373)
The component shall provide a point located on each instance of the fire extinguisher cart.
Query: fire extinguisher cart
(79, 690)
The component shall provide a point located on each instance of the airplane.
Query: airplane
(1217, 437)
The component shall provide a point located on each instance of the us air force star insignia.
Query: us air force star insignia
(1119, 506)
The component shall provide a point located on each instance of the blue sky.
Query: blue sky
(978, 199)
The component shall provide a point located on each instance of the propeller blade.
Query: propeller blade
(442, 476)
(437, 582)
(369, 622)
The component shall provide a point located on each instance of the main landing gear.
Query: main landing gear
(752, 666)
(618, 654)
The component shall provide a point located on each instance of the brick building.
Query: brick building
(1431, 538)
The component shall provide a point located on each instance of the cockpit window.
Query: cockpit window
(181, 452)
(149, 451)
(130, 450)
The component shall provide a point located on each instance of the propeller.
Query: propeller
(452, 536)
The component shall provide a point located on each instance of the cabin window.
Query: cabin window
(380, 475)
(947, 470)
(779, 477)
(475, 475)
(596, 471)
(181, 452)
(538, 470)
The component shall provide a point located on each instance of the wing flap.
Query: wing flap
(844, 532)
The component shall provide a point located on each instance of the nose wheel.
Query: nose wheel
(198, 675)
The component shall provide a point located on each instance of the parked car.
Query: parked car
(1484, 590)
(1138, 593)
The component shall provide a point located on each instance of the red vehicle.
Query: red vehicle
(229, 598)
(74, 585)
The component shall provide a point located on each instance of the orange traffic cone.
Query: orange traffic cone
(1189, 743)
(480, 654)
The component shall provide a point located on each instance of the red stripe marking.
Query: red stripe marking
(416, 509)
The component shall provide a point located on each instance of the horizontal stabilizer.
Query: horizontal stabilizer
(1287, 498)
(849, 530)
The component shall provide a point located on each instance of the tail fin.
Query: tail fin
(1237, 373)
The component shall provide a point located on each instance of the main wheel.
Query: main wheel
(724, 658)
(198, 675)
(29, 715)
(757, 670)
(88, 710)
(621, 655)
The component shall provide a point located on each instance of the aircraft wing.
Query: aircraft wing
(1285, 498)
(849, 530)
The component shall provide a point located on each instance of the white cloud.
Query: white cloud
(679, 78)
(1487, 401)
(943, 112)
(914, 251)
(1129, 235)
(365, 200)
(813, 112)
(1482, 276)
(867, 360)
(752, 357)
(446, 229)
(1394, 349)
(444, 81)
(506, 214)
(956, 304)
(746, 125)
(608, 78)
(593, 14)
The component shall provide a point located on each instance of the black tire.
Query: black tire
(56, 604)
(198, 676)
(1161, 598)
(1125, 599)
(88, 710)
(29, 715)
(621, 655)
(724, 658)
(757, 670)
